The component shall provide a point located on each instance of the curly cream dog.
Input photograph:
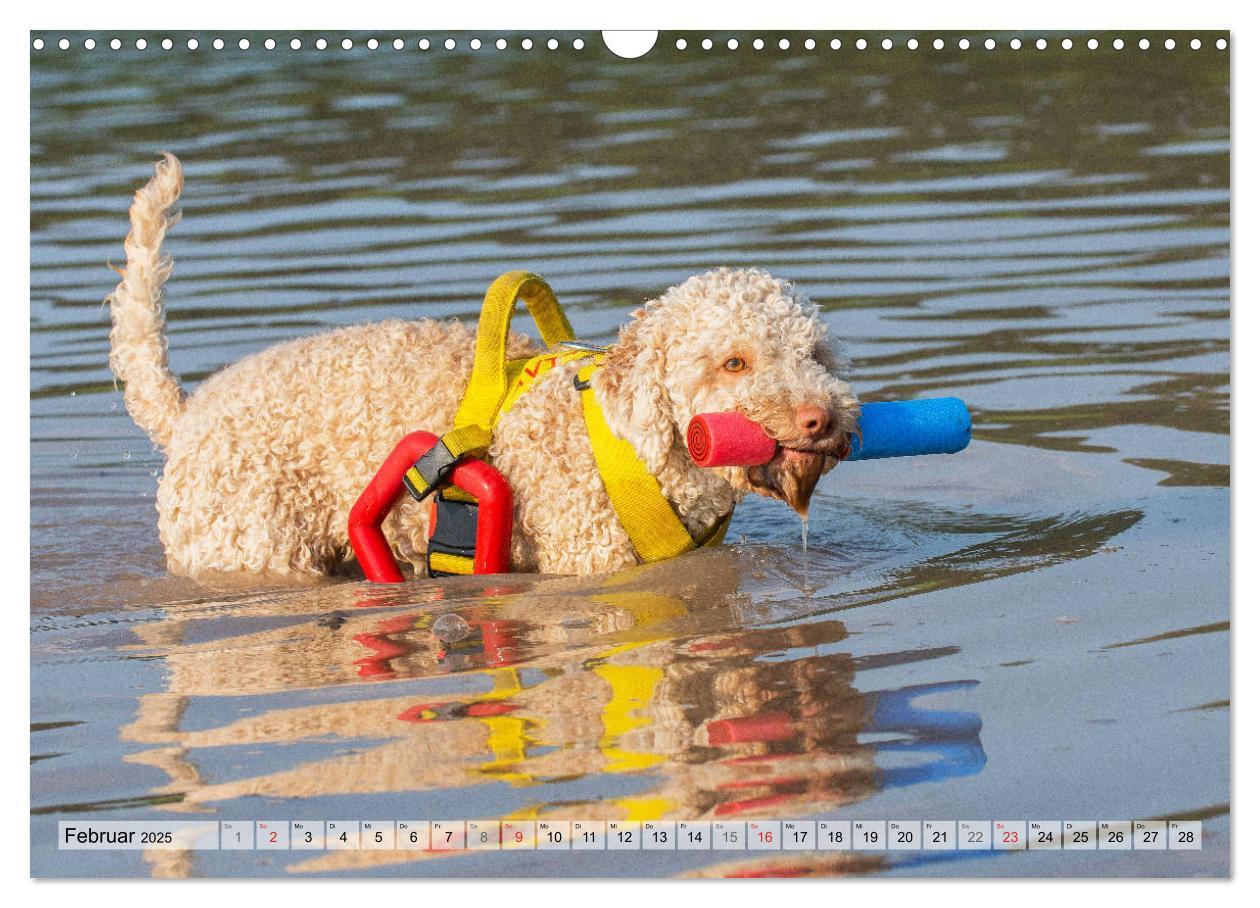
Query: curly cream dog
(266, 458)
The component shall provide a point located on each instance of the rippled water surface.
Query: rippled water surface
(1037, 627)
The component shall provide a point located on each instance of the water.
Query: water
(451, 629)
(806, 588)
(1037, 627)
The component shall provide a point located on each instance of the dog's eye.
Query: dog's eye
(734, 364)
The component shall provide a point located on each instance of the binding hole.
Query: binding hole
(630, 45)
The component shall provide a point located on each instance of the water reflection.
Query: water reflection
(710, 687)
(665, 683)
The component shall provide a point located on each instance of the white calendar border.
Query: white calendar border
(500, 14)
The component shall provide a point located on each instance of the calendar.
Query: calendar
(632, 835)
(751, 449)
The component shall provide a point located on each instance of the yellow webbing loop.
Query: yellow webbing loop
(645, 513)
(491, 372)
(489, 381)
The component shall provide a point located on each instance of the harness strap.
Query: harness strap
(655, 530)
(489, 381)
(491, 372)
(523, 375)
(434, 468)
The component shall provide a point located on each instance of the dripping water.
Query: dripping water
(805, 550)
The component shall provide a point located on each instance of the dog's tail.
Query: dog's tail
(138, 340)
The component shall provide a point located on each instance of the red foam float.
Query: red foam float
(762, 728)
(728, 440)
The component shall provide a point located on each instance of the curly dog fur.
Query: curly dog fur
(266, 458)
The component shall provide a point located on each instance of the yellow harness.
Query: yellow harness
(496, 384)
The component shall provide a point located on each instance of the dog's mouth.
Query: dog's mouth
(793, 473)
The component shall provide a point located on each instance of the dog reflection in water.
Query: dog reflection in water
(621, 679)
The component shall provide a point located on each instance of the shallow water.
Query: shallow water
(1037, 627)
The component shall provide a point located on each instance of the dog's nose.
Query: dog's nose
(813, 420)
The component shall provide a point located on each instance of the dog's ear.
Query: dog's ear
(630, 386)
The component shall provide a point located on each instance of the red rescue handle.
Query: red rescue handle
(477, 478)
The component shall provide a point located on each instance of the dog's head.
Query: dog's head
(733, 340)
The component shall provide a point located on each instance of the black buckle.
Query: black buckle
(435, 467)
(580, 384)
(454, 531)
